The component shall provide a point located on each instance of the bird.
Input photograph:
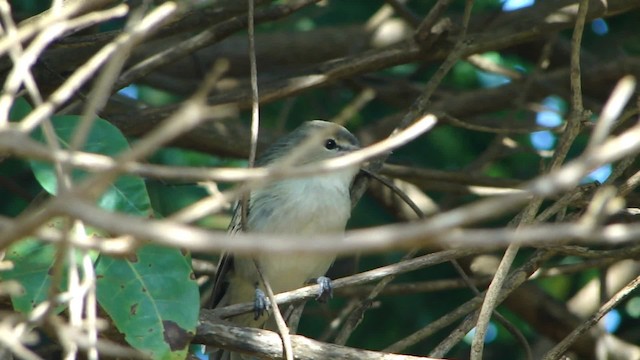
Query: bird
(304, 206)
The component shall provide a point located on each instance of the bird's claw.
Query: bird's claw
(260, 304)
(326, 288)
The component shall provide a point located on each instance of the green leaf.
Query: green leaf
(19, 109)
(32, 267)
(32, 260)
(151, 297)
(127, 194)
(153, 300)
(156, 97)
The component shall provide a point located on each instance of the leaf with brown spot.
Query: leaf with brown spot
(164, 295)
(177, 337)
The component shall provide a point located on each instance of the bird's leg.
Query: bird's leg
(260, 303)
(326, 288)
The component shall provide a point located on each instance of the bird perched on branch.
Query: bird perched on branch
(296, 206)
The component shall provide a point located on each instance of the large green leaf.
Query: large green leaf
(127, 194)
(152, 298)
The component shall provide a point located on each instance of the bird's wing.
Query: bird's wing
(225, 264)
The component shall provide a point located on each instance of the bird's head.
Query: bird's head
(314, 141)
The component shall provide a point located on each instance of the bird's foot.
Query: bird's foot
(260, 304)
(326, 288)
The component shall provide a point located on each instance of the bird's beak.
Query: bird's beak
(349, 148)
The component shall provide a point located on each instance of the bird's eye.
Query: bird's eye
(330, 144)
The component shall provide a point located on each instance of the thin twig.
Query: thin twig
(83, 74)
(562, 347)
(400, 7)
(204, 38)
(612, 110)
(283, 330)
(424, 29)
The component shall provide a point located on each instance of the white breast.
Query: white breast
(319, 204)
(313, 205)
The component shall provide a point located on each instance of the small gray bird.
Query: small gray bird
(300, 206)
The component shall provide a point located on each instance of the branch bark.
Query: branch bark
(268, 345)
